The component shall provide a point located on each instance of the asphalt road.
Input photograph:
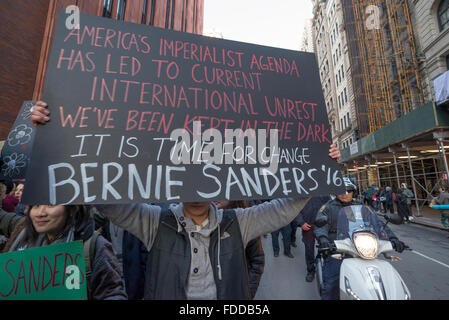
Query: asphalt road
(425, 269)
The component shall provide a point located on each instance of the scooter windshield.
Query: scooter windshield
(358, 218)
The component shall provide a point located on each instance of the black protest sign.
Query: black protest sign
(143, 114)
(16, 150)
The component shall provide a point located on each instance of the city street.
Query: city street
(424, 270)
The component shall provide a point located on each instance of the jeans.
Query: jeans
(389, 206)
(294, 226)
(308, 238)
(445, 219)
(331, 278)
(286, 237)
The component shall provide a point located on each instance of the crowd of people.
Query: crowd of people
(383, 199)
(186, 250)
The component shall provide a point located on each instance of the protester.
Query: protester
(442, 198)
(130, 252)
(286, 238)
(255, 256)
(325, 229)
(383, 199)
(409, 196)
(2, 192)
(20, 207)
(10, 201)
(403, 201)
(46, 225)
(294, 227)
(389, 200)
(196, 251)
(306, 220)
(3, 239)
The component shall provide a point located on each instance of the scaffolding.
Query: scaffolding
(424, 174)
(383, 60)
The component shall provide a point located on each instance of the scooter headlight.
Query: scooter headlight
(366, 244)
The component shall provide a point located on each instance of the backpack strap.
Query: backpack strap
(89, 253)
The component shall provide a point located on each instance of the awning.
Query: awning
(421, 121)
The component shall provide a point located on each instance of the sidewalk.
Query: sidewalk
(429, 217)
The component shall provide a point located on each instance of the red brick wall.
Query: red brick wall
(22, 24)
(27, 28)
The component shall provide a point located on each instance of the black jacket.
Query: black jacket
(308, 213)
(255, 259)
(168, 264)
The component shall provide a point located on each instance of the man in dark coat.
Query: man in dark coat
(306, 220)
(389, 200)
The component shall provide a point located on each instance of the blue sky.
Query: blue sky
(275, 23)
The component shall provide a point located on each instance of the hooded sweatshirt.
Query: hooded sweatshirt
(142, 220)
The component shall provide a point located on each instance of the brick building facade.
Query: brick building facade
(27, 30)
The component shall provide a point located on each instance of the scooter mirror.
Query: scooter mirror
(393, 218)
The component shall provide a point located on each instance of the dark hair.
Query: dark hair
(236, 204)
(76, 215)
(9, 185)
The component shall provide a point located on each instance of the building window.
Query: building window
(443, 15)
(107, 8)
(152, 12)
(121, 9)
(144, 12)
(170, 14)
(346, 96)
(447, 62)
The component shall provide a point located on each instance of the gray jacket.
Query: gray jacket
(142, 220)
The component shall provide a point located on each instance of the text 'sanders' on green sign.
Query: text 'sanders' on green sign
(55, 272)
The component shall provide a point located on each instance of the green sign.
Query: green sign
(55, 272)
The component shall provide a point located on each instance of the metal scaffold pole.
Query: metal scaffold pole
(395, 166)
(418, 214)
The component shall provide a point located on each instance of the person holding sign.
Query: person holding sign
(46, 225)
(196, 249)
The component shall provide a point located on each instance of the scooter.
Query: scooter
(360, 240)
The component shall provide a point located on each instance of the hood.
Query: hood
(215, 217)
